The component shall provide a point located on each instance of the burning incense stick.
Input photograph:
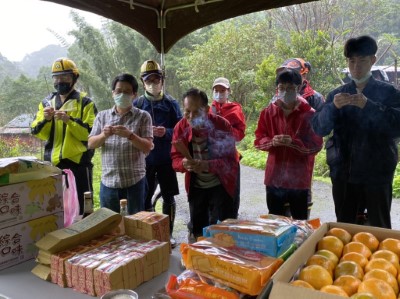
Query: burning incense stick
(182, 148)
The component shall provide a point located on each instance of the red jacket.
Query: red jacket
(223, 160)
(289, 166)
(233, 113)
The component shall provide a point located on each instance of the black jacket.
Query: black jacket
(166, 113)
(362, 149)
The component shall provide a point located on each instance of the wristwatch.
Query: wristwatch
(131, 136)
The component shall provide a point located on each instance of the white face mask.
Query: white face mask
(290, 97)
(154, 89)
(361, 80)
(220, 97)
(122, 100)
(279, 96)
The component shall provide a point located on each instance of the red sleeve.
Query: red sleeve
(182, 133)
(264, 137)
(238, 123)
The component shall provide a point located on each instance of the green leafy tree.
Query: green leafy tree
(20, 96)
(232, 51)
(103, 54)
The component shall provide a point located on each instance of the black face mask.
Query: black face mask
(63, 87)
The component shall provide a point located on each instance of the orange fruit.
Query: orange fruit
(349, 268)
(348, 283)
(363, 295)
(357, 247)
(341, 233)
(301, 283)
(380, 263)
(367, 239)
(316, 275)
(385, 276)
(355, 257)
(331, 243)
(323, 261)
(391, 244)
(379, 288)
(387, 255)
(398, 279)
(329, 254)
(331, 289)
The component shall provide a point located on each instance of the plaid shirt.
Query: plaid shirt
(123, 165)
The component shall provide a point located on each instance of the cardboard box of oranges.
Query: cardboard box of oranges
(353, 259)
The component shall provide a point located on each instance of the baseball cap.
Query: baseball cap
(294, 63)
(221, 81)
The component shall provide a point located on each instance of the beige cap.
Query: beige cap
(221, 81)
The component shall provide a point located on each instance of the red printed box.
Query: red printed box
(147, 226)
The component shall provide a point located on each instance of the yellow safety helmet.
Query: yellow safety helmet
(150, 67)
(64, 66)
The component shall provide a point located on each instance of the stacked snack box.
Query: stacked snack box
(271, 237)
(147, 226)
(91, 258)
(31, 205)
(240, 255)
(244, 270)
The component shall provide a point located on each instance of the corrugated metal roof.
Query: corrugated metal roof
(21, 121)
(14, 131)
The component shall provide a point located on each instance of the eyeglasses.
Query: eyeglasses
(120, 90)
(291, 87)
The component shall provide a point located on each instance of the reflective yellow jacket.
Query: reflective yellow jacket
(66, 141)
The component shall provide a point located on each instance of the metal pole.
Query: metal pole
(396, 82)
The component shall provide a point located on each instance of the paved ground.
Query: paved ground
(253, 202)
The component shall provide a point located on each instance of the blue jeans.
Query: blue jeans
(110, 197)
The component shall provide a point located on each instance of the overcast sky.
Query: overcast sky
(24, 23)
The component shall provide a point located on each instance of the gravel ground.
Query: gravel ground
(253, 202)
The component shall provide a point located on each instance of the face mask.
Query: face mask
(290, 97)
(122, 100)
(154, 89)
(361, 80)
(220, 97)
(63, 87)
(279, 96)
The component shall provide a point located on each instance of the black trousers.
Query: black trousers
(349, 197)
(165, 176)
(207, 206)
(297, 199)
(236, 199)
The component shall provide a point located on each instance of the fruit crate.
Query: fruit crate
(279, 288)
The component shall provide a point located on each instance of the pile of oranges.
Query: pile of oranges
(358, 266)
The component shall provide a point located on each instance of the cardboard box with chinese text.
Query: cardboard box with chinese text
(29, 200)
(281, 289)
(17, 242)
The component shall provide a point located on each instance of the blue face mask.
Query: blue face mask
(122, 100)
